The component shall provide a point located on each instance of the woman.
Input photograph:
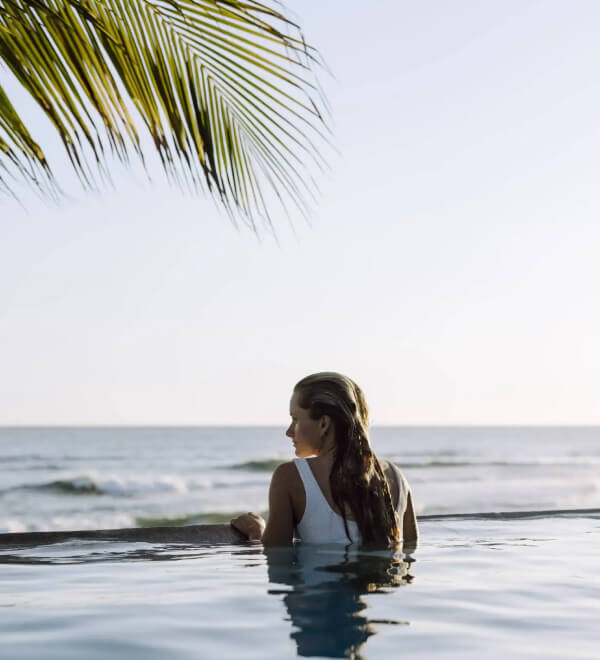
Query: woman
(343, 493)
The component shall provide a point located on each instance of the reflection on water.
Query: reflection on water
(322, 587)
(328, 582)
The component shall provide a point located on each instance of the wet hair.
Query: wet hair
(357, 481)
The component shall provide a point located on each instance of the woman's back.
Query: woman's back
(316, 515)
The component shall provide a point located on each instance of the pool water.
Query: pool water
(520, 588)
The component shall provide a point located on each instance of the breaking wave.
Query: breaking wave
(119, 485)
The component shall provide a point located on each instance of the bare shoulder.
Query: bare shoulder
(285, 474)
(285, 469)
(391, 478)
(286, 484)
(389, 469)
(385, 464)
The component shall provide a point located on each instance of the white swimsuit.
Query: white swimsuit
(320, 523)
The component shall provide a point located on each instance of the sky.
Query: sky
(450, 266)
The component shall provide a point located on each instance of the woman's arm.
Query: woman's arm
(410, 529)
(279, 530)
(280, 526)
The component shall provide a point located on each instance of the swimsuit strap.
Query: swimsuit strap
(311, 487)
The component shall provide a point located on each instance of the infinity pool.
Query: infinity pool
(523, 588)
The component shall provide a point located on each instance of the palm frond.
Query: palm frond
(225, 88)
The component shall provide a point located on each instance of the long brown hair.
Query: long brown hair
(356, 479)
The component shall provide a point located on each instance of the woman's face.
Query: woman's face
(306, 433)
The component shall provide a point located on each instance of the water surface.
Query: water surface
(475, 588)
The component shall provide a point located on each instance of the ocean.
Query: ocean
(526, 587)
(95, 478)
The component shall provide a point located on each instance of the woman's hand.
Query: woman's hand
(251, 525)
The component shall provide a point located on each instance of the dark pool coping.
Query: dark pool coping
(512, 515)
(225, 534)
(194, 534)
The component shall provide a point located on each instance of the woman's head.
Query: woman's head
(328, 410)
(330, 414)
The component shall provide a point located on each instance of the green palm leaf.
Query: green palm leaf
(225, 88)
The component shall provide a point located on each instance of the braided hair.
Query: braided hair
(356, 480)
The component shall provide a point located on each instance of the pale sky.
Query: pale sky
(451, 267)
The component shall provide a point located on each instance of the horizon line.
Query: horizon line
(146, 425)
